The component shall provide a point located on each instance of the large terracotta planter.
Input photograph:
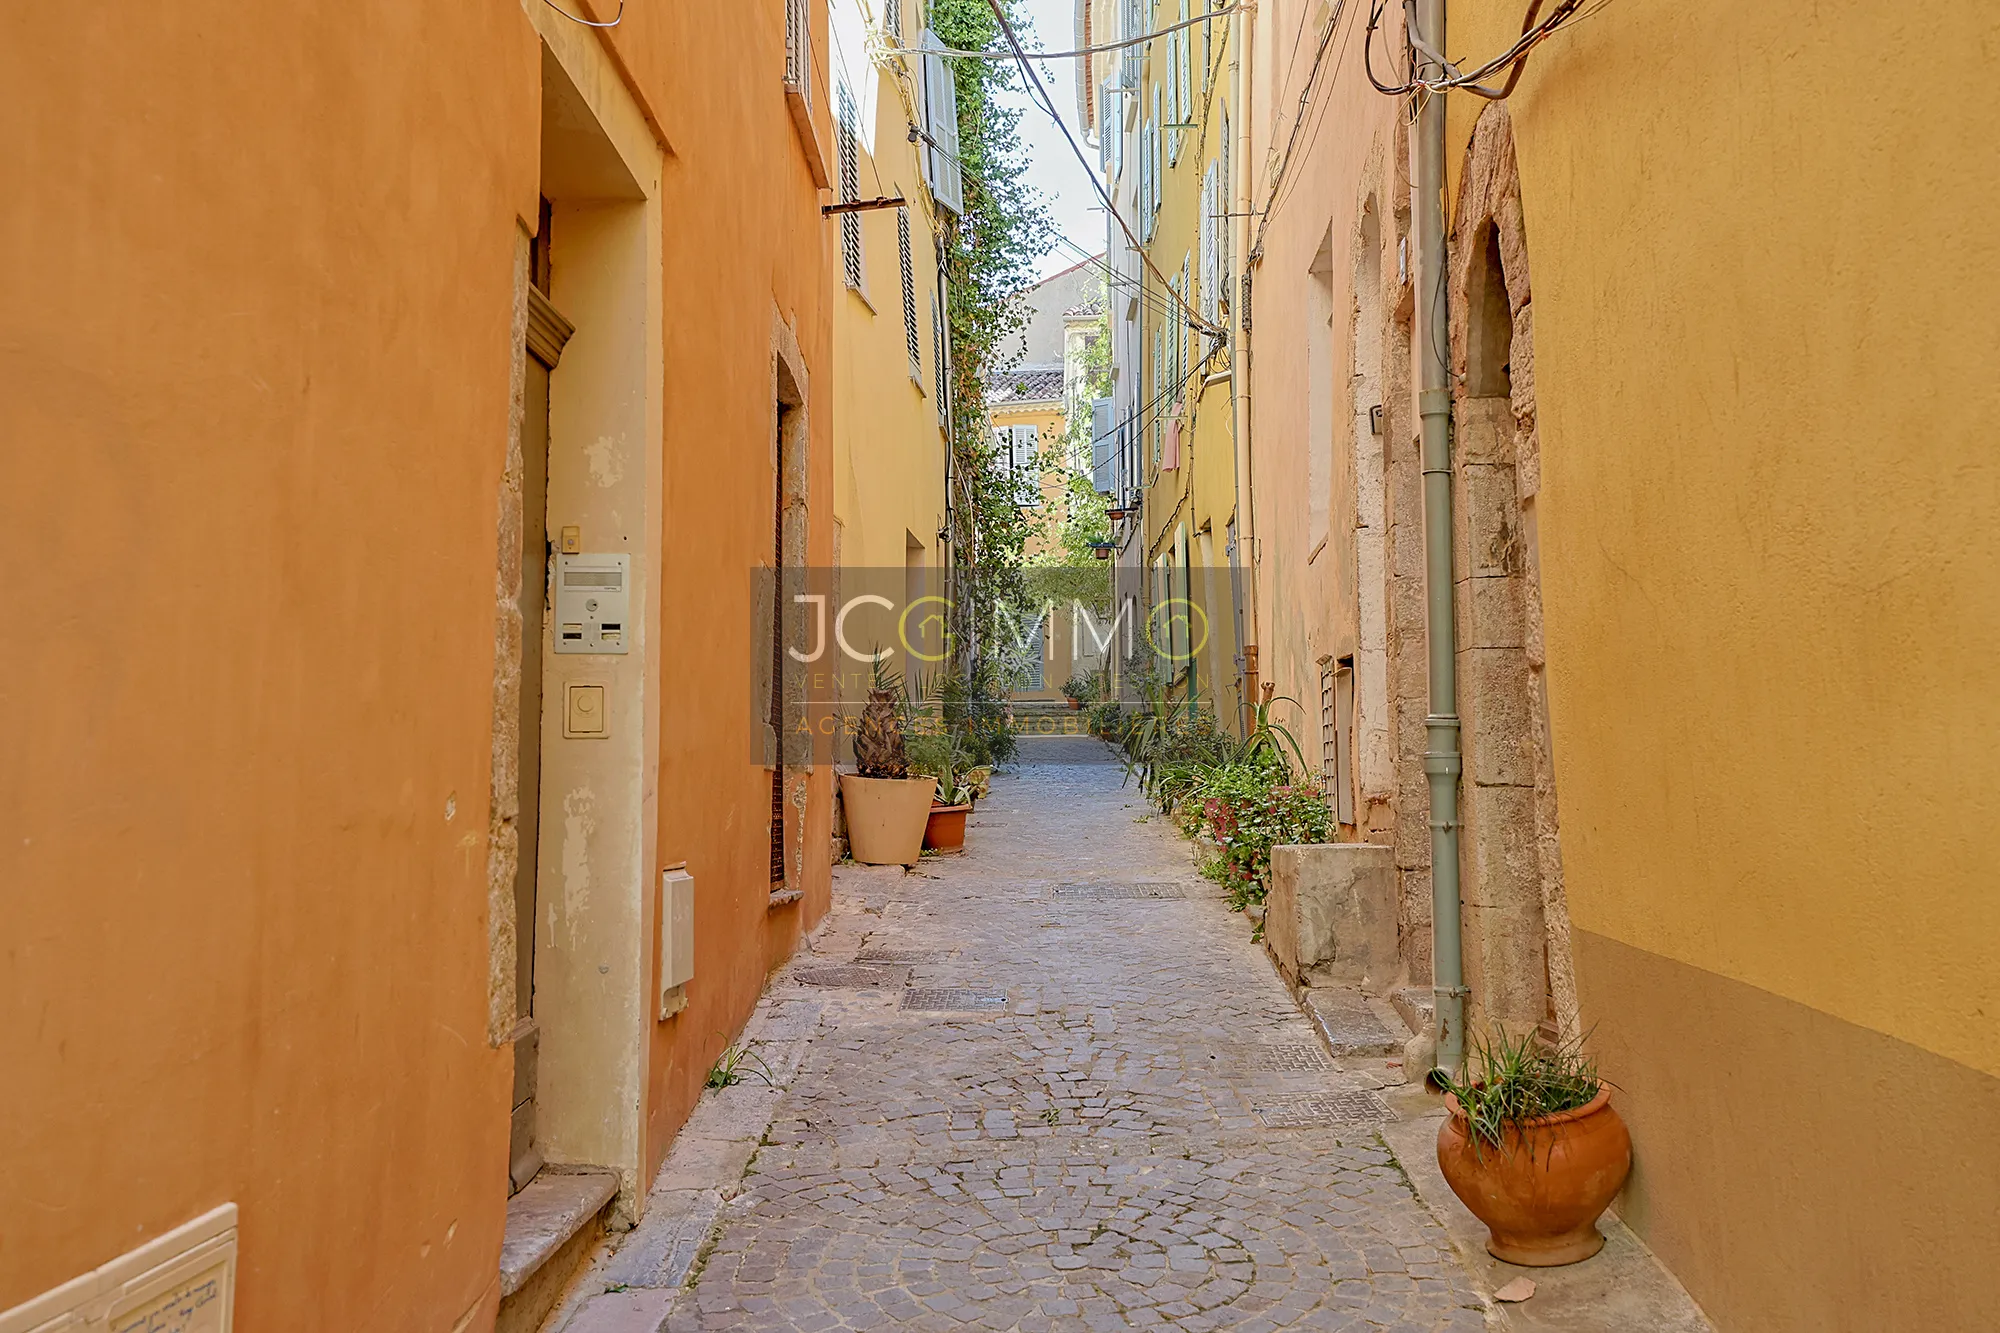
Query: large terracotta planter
(1540, 1190)
(886, 818)
(946, 830)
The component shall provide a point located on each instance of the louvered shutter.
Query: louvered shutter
(847, 143)
(941, 169)
(913, 342)
(1101, 447)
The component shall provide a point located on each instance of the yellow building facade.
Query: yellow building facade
(1164, 119)
(1724, 572)
(890, 381)
(1770, 587)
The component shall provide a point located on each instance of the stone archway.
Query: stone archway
(1518, 961)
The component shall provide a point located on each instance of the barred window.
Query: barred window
(910, 337)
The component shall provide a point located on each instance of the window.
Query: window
(1224, 301)
(892, 19)
(940, 361)
(1336, 716)
(1207, 245)
(1149, 156)
(1159, 404)
(1176, 113)
(910, 338)
(798, 51)
(1020, 448)
(849, 147)
(1185, 69)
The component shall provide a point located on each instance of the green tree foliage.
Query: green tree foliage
(990, 258)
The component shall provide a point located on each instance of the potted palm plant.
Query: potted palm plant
(944, 759)
(887, 808)
(1534, 1149)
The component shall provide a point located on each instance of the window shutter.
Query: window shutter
(849, 146)
(1183, 71)
(914, 344)
(892, 19)
(1206, 243)
(1175, 114)
(940, 362)
(1101, 445)
(941, 168)
(1225, 187)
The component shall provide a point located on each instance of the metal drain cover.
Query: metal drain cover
(903, 956)
(853, 977)
(1299, 1059)
(1324, 1110)
(1119, 891)
(951, 1000)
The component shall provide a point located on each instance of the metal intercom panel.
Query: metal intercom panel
(593, 596)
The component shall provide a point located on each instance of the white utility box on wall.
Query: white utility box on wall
(676, 939)
(593, 595)
(183, 1282)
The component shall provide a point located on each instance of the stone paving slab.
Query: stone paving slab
(1098, 1150)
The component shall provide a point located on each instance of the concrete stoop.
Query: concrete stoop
(631, 1283)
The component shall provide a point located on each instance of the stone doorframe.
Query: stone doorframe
(1517, 945)
(1391, 639)
(791, 437)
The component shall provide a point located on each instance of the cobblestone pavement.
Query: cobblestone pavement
(1053, 1085)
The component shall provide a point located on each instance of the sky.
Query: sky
(1053, 169)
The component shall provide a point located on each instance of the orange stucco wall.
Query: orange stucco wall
(255, 355)
(744, 239)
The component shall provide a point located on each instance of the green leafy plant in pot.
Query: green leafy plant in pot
(943, 758)
(887, 809)
(1533, 1148)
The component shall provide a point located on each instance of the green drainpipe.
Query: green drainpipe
(1443, 760)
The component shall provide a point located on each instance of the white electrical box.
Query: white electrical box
(676, 939)
(593, 599)
(182, 1282)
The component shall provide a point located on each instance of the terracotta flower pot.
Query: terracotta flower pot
(886, 818)
(1541, 1189)
(946, 830)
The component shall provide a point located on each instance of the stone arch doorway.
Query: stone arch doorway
(1518, 961)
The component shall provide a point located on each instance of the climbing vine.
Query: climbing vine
(990, 259)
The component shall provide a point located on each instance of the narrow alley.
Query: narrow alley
(1050, 1083)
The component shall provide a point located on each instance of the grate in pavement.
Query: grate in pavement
(853, 977)
(1299, 1059)
(953, 1000)
(1324, 1110)
(903, 956)
(1120, 891)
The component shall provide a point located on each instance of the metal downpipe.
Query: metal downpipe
(1443, 758)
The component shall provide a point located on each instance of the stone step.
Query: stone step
(552, 1224)
(1351, 1024)
(1416, 1006)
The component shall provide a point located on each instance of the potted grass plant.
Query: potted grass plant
(887, 808)
(1533, 1148)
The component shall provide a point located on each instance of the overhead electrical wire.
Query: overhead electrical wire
(1319, 120)
(1007, 30)
(1102, 48)
(1298, 123)
(616, 19)
(1513, 59)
